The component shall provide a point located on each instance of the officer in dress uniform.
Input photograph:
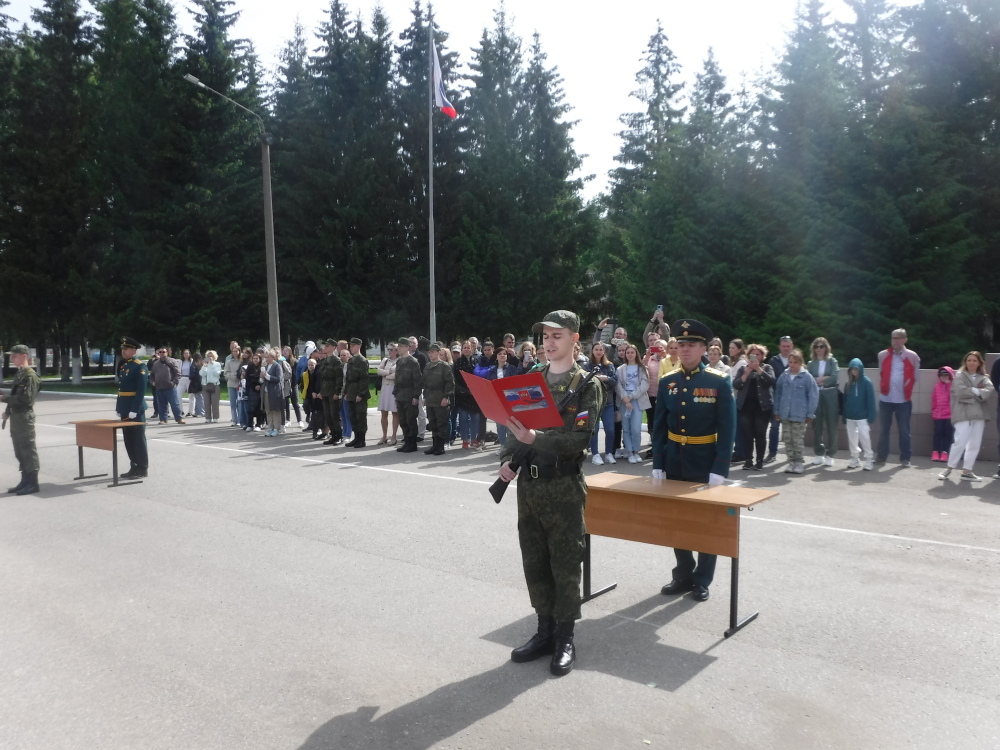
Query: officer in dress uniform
(20, 410)
(356, 393)
(131, 407)
(409, 383)
(693, 432)
(551, 494)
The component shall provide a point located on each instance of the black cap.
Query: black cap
(688, 329)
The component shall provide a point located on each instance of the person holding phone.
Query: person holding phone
(657, 325)
(754, 385)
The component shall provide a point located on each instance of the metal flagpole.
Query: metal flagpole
(430, 168)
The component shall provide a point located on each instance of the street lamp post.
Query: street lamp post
(265, 157)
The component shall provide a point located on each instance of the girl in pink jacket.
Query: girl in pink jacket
(944, 431)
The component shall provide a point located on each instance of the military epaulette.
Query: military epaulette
(715, 372)
(668, 373)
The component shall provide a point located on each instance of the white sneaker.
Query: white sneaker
(854, 463)
(620, 453)
(597, 460)
(609, 459)
(869, 465)
(828, 460)
(800, 469)
(944, 474)
(302, 425)
(817, 461)
(790, 469)
(634, 459)
(256, 429)
(971, 477)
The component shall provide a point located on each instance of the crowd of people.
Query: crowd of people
(778, 397)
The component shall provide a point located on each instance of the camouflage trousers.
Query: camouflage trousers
(359, 415)
(407, 418)
(331, 413)
(22, 433)
(437, 421)
(551, 531)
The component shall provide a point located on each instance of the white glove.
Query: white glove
(976, 392)
(714, 480)
(659, 474)
(133, 414)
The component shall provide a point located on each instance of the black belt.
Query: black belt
(552, 472)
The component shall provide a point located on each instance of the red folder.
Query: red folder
(525, 397)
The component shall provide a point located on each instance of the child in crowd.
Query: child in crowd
(860, 411)
(795, 400)
(944, 430)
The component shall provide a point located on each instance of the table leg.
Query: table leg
(587, 593)
(734, 590)
(79, 456)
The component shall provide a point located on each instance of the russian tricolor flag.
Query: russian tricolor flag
(440, 100)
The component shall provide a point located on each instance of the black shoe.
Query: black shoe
(138, 473)
(770, 458)
(419, 439)
(358, 443)
(330, 441)
(317, 436)
(563, 652)
(699, 593)
(759, 466)
(438, 448)
(747, 466)
(13, 490)
(676, 587)
(540, 644)
(30, 486)
(648, 454)
(410, 446)
(430, 451)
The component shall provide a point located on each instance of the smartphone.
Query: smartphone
(656, 349)
(753, 358)
(659, 308)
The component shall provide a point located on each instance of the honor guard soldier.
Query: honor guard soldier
(693, 432)
(131, 407)
(356, 392)
(439, 392)
(551, 494)
(20, 400)
(409, 383)
(331, 385)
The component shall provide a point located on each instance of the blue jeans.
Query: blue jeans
(607, 418)
(234, 406)
(468, 425)
(345, 418)
(772, 439)
(632, 428)
(164, 396)
(502, 434)
(944, 434)
(885, 413)
(453, 424)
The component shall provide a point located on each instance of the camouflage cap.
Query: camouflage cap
(435, 347)
(356, 341)
(19, 349)
(558, 319)
(403, 341)
(330, 342)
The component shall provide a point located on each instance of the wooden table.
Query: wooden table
(670, 514)
(102, 434)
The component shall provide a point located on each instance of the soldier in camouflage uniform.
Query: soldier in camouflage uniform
(551, 494)
(356, 393)
(439, 392)
(331, 373)
(20, 410)
(409, 383)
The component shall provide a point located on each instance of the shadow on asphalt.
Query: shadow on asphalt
(623, 644)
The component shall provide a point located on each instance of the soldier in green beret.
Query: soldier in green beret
(133, 378)
(409, 383)
(20, 400)
(439, 392)
(331, 386)
(551, 494)
(356, 393)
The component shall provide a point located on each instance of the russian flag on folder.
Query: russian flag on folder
(440, 100)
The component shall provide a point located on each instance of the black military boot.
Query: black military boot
(540, 644)
(30, 484)
(24, 476)
(359, 441)
(564, 652)
(432, 451)
(410, 446)
(438, 447)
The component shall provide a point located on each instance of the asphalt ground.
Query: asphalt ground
(273, 593)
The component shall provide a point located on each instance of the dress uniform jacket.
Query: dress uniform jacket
(694, 425)
(133, 378)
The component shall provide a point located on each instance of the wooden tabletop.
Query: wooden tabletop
(740, 497)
